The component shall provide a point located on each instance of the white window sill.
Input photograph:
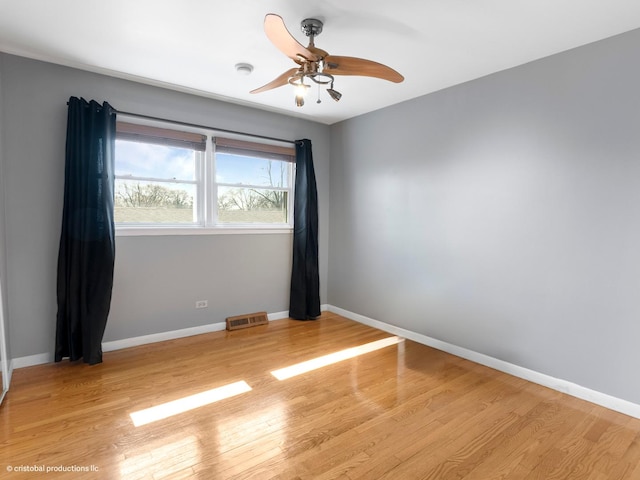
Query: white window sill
(139, 231)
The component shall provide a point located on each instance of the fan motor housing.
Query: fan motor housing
(311, 27)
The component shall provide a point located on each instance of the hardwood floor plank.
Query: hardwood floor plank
(405, 411)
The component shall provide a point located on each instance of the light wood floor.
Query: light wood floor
(406, 411)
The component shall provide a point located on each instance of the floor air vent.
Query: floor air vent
(247, 320)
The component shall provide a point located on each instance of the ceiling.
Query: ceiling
(194, 45)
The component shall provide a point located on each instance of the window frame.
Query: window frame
(206, 209)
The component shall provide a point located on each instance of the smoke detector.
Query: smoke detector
(244, 68)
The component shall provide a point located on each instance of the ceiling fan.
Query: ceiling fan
(315, 64)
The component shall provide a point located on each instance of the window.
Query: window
(253, 182)
(173, 179)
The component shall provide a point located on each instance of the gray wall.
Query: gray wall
(3, 252)
(157, 279)
(503, 215)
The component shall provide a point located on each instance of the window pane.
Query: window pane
(155, 161)
(249, 205)
(154, 202)
(238, 169)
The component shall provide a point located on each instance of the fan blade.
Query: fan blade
(278, 82)
(277, 32)
(318, 52)
(336, 65)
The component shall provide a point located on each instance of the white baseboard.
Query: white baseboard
(42, 358)
(564, 386)
(161, 337)
(185, 332)
(277, 316)
(31, 360)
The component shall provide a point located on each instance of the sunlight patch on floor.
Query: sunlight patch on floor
(165, 410)
(335, 357)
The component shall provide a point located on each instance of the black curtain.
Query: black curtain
(87, 241)
(304, 301)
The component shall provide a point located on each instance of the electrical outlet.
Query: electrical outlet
(202, 304)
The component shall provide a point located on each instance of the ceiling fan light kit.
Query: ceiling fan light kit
(315, 64)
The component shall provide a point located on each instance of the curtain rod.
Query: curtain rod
(194, 125)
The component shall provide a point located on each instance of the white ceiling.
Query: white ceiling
(193, 45)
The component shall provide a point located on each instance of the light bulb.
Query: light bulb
(301, 89)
